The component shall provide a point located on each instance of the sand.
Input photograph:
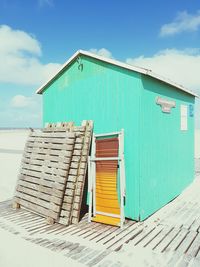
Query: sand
(11, 149)
(16, 252)
(197, 143)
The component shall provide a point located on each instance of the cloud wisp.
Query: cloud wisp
(20, 62)
(101, 52)
(21, 101)
(184, 22)
(43, 3)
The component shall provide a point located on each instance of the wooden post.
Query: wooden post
(16, 205)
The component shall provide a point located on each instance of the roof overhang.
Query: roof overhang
(116, 63)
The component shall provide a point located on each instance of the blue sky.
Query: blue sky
(37, 36)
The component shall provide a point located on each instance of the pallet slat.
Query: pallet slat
(41, 182)
(52, 134)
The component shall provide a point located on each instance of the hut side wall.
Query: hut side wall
(166, 152)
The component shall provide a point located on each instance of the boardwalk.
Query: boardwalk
(168, 238)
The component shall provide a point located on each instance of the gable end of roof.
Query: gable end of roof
(116, 63)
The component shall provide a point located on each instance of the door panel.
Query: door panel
(106, 181)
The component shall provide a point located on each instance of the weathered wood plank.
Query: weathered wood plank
(41, 188)
(76, 165)
(34, 200)
(71, 178)
(39, 195)
(184, 245)
(45, 169)
(46, 151)
(38, 181)
(44, 157)
(177, 240)
(79, 129)
(68, 200)
(117, 242)
(60, 127)
(167, 240)
(49, 145)
(47, 163)
(78, 146)
(36, 208)
(194, 247)
(54, 178)
(71, 185)
(52, 140)
(52, 134)
(162, 232)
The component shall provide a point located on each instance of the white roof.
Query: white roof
(116, 63)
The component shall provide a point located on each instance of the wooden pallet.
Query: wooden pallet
(53, 172)
(72, 201)
(44, 171)
(71, 206)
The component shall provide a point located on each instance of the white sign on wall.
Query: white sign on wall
(184, 117)
(166, 105)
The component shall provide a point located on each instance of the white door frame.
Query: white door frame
(92, 176)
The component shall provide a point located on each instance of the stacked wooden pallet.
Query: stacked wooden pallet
(53, 171)
(72, 201)
(71, 206)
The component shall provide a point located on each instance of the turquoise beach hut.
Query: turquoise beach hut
(157, 116)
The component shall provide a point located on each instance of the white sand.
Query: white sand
(11, 149)
(197, 143)
(16, 252)
(13, 139)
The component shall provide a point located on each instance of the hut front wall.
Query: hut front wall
(108, 95)
(166, 151)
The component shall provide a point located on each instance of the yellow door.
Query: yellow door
(107, 203)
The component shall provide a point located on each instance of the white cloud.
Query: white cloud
(15, 41)
(21, 111)
(21, 101)
(20, 63)
(181, 66)
(17, 118)
(45, 3)
(102, 52)
(184, 22)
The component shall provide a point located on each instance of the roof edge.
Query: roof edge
(116, 63)
(44, 85)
